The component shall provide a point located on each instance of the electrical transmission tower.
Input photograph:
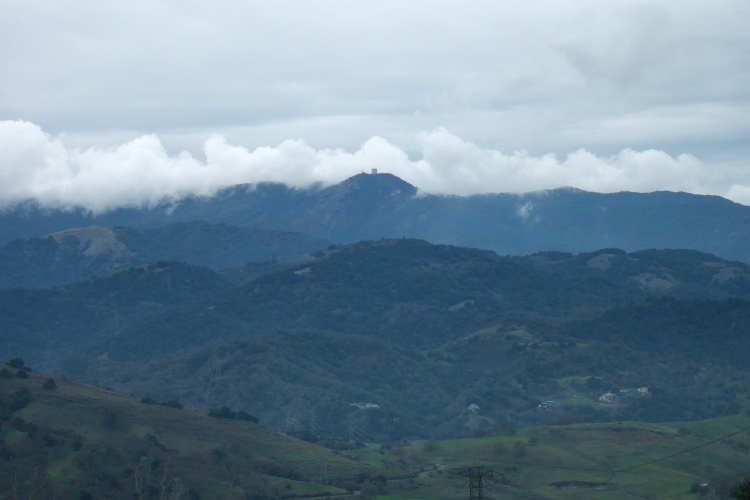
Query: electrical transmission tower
(475, 477)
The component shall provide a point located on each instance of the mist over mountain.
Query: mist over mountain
(371, 206)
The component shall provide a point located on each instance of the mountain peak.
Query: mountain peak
(354, 205)
(380, 184)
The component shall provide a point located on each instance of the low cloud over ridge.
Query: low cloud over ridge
(37, 166)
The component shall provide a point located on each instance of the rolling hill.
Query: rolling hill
(64, 439)
(424, 331)
(76, 254)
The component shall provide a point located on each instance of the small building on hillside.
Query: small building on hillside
(607, 398)
(549, 406)
(366, 406)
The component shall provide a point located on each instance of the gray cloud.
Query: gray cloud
(542, 77)
(626, 53)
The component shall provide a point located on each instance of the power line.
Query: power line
(625, 469)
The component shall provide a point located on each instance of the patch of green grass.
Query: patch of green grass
(580, 399)
(602, 461)
(102, 442)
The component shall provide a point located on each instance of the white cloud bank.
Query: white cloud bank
(37, 166)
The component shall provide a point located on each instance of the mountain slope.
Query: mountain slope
(661, 272)
(64, 439)
(79, 253)
(422, 330)
(43, 324)
(405, 291)
(371, 206)
(371, 320)
(692, 369)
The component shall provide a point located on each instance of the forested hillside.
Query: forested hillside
(76, 254)
(443, 340)
(372, 206)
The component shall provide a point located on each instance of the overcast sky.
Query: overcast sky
(126, 103)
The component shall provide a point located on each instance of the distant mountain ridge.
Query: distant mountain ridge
(371, 206)
(665, 272)
(76, 254)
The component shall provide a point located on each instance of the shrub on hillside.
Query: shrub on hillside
(16, 363)
(519, 449)
(742, 490)
(19, 399)
(243, 415)
(173, 403)
(226, 412)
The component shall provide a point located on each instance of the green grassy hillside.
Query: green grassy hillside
(64, 439)
(589, 461)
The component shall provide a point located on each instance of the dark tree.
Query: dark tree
(16, 363)
(369, 491)
(243, 415)
(742, 490)
(173, 403)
